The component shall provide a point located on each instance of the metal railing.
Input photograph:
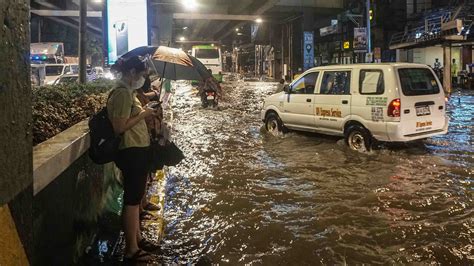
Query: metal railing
(429, 28)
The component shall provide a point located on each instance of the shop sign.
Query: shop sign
(360, 40)
(347, 45)
(329, 29)
(308, 53)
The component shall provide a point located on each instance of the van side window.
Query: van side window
(336, 82)
(306, 84)
(371, 82)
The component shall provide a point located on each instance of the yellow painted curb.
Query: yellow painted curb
(155, 226)
(11, 249)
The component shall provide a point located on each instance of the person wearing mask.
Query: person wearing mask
(128, 119)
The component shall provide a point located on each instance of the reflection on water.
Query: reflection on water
(242, 196)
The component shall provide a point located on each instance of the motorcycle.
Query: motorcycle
(209, 98)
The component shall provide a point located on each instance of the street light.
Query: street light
(237, 29)
(189, 4)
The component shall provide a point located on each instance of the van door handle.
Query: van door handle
(345, 101)
(308, 100)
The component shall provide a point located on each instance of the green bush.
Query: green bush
(56, 108)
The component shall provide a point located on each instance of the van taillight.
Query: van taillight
(394, 108)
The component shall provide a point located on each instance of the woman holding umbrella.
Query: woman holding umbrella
(128, 119)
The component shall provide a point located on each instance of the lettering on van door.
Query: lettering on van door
(328, 112)
(378, 101)
(377, 114)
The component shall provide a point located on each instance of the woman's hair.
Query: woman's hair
(125, 65)
(147, 85)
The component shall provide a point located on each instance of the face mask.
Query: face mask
(137, 84)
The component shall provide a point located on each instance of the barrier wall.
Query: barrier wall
(71, 194)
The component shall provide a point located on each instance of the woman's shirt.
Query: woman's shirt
(123, 104)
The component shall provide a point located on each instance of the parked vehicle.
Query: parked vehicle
(47, 52)
(66, 79)
(393, 102)
(53, 71)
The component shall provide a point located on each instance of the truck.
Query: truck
(47, 52)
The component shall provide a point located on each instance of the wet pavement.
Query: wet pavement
(243, 196)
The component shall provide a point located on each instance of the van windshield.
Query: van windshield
(418, 81)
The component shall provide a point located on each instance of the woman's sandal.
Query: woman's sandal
(148, 246)
(146, 215)
(141, 256)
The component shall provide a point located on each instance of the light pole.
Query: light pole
(369, 43)
(82, 41)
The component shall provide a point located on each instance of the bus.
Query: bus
(211, 57)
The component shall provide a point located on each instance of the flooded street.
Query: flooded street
(243, 196)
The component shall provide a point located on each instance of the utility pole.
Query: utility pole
(369, 38)
(82, 41)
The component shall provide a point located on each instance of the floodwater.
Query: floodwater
(243, 196)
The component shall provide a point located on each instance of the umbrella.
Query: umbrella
(171, 63)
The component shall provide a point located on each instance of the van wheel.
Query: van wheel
(358, 138)
(273, 124)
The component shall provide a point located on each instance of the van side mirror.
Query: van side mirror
(287, 89)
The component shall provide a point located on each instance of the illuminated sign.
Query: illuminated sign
(127, 26)
(347, 45)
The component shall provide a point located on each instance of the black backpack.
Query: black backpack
(104, 144)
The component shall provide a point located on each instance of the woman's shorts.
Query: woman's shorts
(134, 164)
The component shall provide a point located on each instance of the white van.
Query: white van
(53, 71)
(393, 102)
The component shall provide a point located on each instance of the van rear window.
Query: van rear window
(418, 81)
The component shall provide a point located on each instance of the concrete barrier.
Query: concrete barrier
(71, 193)
(72, 196)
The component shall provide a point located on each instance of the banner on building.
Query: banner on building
(360, 40)
(308, 53)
